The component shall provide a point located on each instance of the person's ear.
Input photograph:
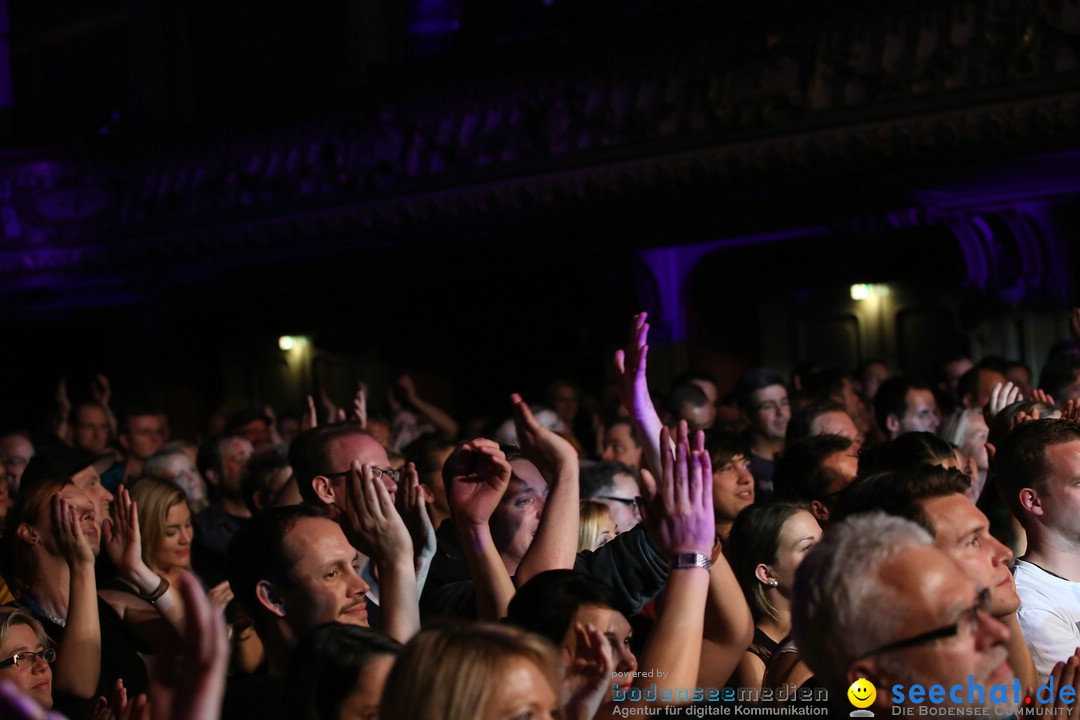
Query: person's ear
(1031, 502)
(324, 489)
(892, 423)
(429, 497)
(27, 534)
(819, 510)
(211, 477)
(765, 576)
(122, 438)
(269, 598)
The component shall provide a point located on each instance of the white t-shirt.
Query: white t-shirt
(1049, 615)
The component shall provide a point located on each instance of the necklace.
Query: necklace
(35, 608)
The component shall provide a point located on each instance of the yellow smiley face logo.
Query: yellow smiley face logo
(862, 693)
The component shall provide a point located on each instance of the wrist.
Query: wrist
(689, 561)
(144, 579)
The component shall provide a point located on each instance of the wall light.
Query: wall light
(286, 342)
(859, 292)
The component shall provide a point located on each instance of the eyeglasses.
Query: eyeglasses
(377, 472)
(631, 503)
(27, 658)
(970, 618)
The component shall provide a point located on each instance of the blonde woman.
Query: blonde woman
(486, 672)
(596, 528)
(26, 655)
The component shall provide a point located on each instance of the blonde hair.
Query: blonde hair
(594, 515)
(449, 673)
(154, 499)
(10, 617)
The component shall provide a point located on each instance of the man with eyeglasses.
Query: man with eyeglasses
(327, 462)
(875, 599)
(616, 486)
(933, 497)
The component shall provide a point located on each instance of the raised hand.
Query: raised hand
(118, 708)
(100, 390)
(310, 418)
(123, 540)
(220, 595)
(63, 402)
(194, 688)
(412, 507)
(544, 448)
(408, 388)
(1001, 397)
(479, 474)
(630, 367)
(1071, 410)
(680, 517)
(370, 520)
(1042, 396)
(358, 415)
(68, 533)
(329, 407)
(591, 673)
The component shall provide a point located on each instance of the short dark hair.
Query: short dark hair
(901, 492)
(827, 384)
(423, 451)
(968, 384)
(308, 454)
(210, 456)
(260, 469)
(1059, 372)
(597, 479)
(800, 475)
(799, 426)
(1021, 461)
(546, 603)
(752, 381)
(325, 665)
(912, 449)
(628, 423)
(257, 552)
(686, 393)
(134, 411)
(891, 399)
(723, 446)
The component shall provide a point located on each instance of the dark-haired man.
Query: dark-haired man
(902, 406)
(1037, 471)
(763, 398)
(933, 497)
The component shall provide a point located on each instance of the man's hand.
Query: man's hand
(630, 367)
(370, 520)
(119, 708)
(1042, 396)
(479, 475)
(1071, 410)
(412, 507)
(329, 407)
(63, 402)
(544, 448)
(68, 534)
(100, 390)
(680, 517)
(358, 415)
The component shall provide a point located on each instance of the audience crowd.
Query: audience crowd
(844, 537)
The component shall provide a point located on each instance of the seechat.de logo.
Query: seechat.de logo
(862, 694)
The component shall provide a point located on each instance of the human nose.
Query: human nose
(1001, 553)
(989, 631)
(357, 585)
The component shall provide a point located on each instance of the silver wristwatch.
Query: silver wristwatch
(681, 561)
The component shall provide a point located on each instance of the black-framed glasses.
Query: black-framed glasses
(377, 472)
(631, 503)
(27, 658)
(970, 617)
